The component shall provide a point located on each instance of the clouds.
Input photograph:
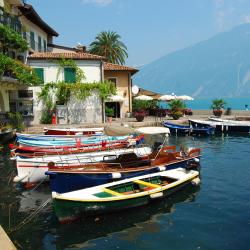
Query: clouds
(101, 3)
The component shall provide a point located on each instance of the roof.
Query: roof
(66, 55)
(153, 94)
(76, 49)
(116, 67)
(29, 12)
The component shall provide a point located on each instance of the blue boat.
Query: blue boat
(39, 142)
(177, 129)
(69, 179)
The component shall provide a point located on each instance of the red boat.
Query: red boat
(73, 131)
(33, 151)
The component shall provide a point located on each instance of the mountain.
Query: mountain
(218, 67)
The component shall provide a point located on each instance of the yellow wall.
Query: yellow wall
(123, 78)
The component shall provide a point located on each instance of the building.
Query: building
(23, 19)
(43, 56)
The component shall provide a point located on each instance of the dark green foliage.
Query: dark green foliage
(10, 39)
(21, 72)
(176, 108)
(109, 45)
(16, 121)
(218, 104)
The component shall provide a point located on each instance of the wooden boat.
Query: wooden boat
(6, 136)
(32, 170)
(73, 131)
(124, 194)
(31, 151)
(222, 126)
(177, 129)
(69, 178)
(71, 141)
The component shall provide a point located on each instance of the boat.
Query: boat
(177, 129)
(6, 136)
(69, 178)
(119, 195)
(32, 170)
(222, 126)
(73, 131)
(32, 151)
(79, 142)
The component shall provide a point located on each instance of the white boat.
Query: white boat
(32, 170)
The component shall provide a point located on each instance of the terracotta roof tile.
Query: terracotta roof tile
(117, 67)
(66, 55)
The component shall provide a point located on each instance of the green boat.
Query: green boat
(124, 194)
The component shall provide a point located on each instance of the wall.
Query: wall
(122, 88)
(87, 111)
(91, 70)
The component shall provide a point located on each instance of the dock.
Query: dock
(5, 242)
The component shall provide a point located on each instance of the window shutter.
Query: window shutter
(32, 40)
(39, 44)
(70, 75)
(40, 73)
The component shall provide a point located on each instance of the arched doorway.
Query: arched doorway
(2, 109)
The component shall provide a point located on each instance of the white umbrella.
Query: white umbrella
(144, 98)
(166, 97)
(116, 98)
(185, 98)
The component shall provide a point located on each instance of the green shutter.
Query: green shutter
(39, 44)
(32, 40)
(40, 73)
(70, 75)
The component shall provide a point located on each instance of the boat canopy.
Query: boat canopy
(119, 130)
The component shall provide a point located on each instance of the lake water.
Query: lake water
(204, 104)
(215, 215)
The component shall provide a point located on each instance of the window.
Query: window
(70, 75)
(44, 45)
(32, 40)
(40, 73)
(25, 93)
(39, 44)
(113, 79)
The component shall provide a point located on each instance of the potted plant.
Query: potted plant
(176, 109)
(217, 106)
(109, 113)
(139, 115)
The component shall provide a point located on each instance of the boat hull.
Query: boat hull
(222, 128)
(68, 211)
(188, 130)
(62, 182)
(33, 170)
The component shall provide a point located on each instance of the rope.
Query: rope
(31, 216)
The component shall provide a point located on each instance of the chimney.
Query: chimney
(80, 48)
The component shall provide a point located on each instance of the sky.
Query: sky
(149, 28)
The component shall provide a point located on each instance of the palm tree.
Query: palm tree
(109, 45)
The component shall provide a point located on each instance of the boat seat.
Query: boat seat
(147, 184)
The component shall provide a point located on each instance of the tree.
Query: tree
(109, 45)
(176, 108)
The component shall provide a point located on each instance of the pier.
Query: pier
(5, 242)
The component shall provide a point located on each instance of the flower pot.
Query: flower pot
(109, 119)
(139, 118)
(217, 112)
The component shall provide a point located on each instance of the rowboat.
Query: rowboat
(81, 141)
(73, 131)
(223, 126)
(119, 195)
(6, 136)
(177, 129)
(32, 170)
(69, 178)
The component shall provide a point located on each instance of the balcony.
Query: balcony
(12, 21)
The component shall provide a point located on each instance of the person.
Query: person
(246, 106)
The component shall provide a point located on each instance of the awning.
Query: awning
(150, 93)
(116, 98)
